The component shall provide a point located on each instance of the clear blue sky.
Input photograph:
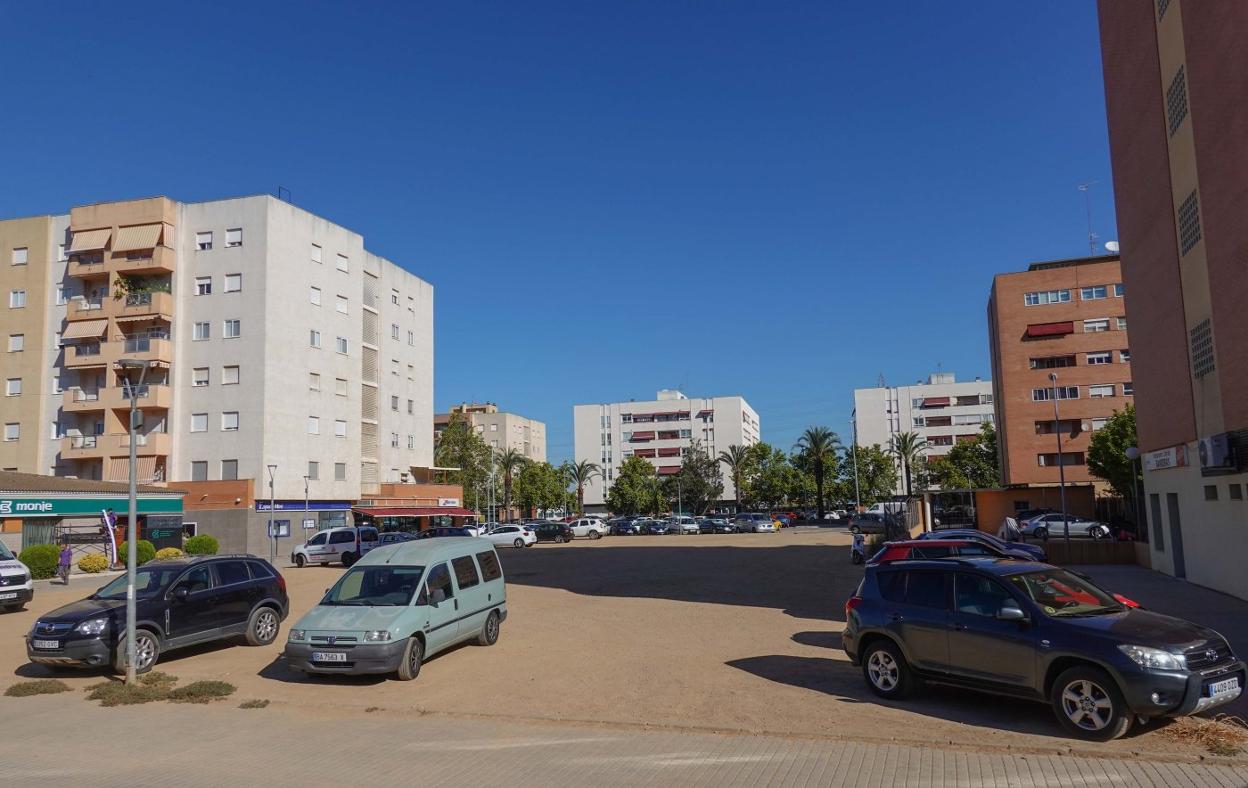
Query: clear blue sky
(778, 200)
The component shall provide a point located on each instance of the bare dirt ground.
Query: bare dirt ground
(735, 633)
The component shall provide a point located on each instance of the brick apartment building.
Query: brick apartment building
(1065, 318)
(1176, 72)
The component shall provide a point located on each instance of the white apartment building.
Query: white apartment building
(272, 338)
(662, 431)
(500, 430)
(941, 410)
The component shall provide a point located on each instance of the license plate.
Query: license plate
(12, 595)
(1222, 687)
(329, 656)
(47, 644)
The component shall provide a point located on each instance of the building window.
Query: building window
(17, 299)
(1105, 357)
(314, 425)
(203, 241)
(233, 329)
(229, 470)
(411, 338)
(1066, 458)
(340, 345)
(1099, 423)
(1236, 492)
(203, 285)
(1122, 324)
(199, 470)
(394, 440)
(61, 256)
(17, 343)
(1189, 223)
(343, 263)
(1100, 392)
(199, 376)
(1128, 389)
(1211, 492)
(12, 432)
(340, 471)
(229, 421)
(314, 295)
(411, 371)
(394, 403)
(13, 387)
(340, 428)
(340, 304)
(340, 387)
(233, 283)
(199, 422)
(1202, 349)
(314, 338)
(20, 255)
(1125, 356)
(1118, 290)
(394, 330)
(229, 376)
(1043, 297)
(314, 470)
(410, 405)
(1051, 362)
(60, 295)
(1094, 326)
(201, 332)
(314, 381)
(1094, 293)
(1049, 393)
(394, 297)
(1176, 101)
(233, 238)
(316, 253)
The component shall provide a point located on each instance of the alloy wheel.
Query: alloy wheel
(144, 651)
(1087, 705)
(883, 670)
(266, 626)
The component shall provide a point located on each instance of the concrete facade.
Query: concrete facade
(661, 431)
(1069, 318)
(500, 430)
(1172, 74)
(941, 410)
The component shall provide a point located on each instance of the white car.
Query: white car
(479, 529)
(16, 586)
(514, 535)
(590, 527)
(683, 525)
(345, 543)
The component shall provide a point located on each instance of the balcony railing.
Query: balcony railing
(84, 441)
(87, 350)
(138, 299)
(86, 396)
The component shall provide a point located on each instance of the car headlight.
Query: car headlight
(92, 627)
(1154, 658)
(296, 634)
(376, 636)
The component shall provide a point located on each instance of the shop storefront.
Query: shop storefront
(413, 518)
(300, 519)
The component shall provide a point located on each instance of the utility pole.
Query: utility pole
(272, 535)
(132, 537)
(853, 447)
(1061, 461)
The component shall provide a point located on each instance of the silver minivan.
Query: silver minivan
(399, 605)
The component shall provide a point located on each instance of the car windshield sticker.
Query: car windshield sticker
(1048, 609)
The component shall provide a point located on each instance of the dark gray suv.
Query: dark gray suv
(1034, 631)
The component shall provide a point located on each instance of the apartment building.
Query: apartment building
(270, 337)
(500, 430)
(1173, 72)
(662, 431)
(1065, 319)
(940, 410)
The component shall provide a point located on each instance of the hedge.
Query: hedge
(146, 552)
(168, 552)
(93, 563)
(41, 559)
(201, 545)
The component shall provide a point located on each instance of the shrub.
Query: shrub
(145, 553)
(24, 689)
(201, 545)
(201, 692)
(41, 559)
(168, 552)
(93, 563)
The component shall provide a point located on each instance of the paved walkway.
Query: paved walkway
(64, 740)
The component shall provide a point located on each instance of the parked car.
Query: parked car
(655, 528)
(725, 525)
(625, 527)
(712, 525)
(179, 602)
(1027, 514)
(942, 548)
(833, 515)
(553, 532)
(1034, 631)
(393, 610)
(869, 523)
(783, 519)
(754, 522)
(393, 537)
(514, 535)
(683, 524)
(346, 544)
(16, 586)
(887, 507)
(1036, 552)
(1054, 524)
(446, 530)
(589, 527)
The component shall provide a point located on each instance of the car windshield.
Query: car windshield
(1064, 595)
(380, 585)
(5, 553)
(149, 581)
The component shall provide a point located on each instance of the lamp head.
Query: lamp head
(1133, 453)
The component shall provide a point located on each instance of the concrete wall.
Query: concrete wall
(993, 506)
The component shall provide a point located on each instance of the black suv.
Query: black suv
(1033, 631)
(179, 602)
(553, 532)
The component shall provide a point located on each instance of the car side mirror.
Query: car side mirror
(1011, 613)
(181, 593)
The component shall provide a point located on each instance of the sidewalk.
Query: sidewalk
(224, 745)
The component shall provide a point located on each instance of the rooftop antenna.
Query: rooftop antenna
(880, 382)
(1086, 188)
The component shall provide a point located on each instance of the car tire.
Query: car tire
(595, 534)
(146, 644)
(1099, 533)
(300, 561)
(1089, 705)
(1041, 533)
(490, 630)
(886, 671)
(348, 559)
(19, 607)
(413, 656)
(518, 543)
(263, 626)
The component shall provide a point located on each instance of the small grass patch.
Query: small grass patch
(201, 692)
(371, 709)
(1223, 735)
(119, 693)
(253, 704)
(24, 689)
(157, 686)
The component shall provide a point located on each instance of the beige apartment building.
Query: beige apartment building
(501, 431)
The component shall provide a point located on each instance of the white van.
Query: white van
(347, 544)
(16, 586)
(887, 507)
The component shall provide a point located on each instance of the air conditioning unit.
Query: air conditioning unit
(1216, 453)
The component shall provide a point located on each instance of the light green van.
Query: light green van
(400, 604)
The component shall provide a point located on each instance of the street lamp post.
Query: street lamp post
(1137, 496)
(853, 448)
(132, 539)
(272, 501)
(304, 524)
(1061, 460)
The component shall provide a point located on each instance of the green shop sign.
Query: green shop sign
(79, 507)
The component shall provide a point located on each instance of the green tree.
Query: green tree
(969, 465)
(907, 448)
(636, 488)
(699, 483)
(582, 473)
(540, 486)
(1107, 453)
(459, 446)
(818, 446)
(736, 459)
(877, 474)
(770, 475)
(509, 464)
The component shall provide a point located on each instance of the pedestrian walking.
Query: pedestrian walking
(67, 558)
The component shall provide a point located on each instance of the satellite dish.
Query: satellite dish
(1112, 246)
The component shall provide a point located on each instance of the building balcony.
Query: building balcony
(149, 396)
(97, 447)
(85, 355)
(81, 401)
(159, 260)
(83, 309)
(86, 266)
(142, 305)
(106, 354)
(83, 447)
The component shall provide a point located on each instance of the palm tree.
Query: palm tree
(508, 463)
(735, 458)
(907, 447)
(819, 445)
(583, 473)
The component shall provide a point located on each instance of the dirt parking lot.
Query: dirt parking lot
(724, 632)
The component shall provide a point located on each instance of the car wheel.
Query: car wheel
(348, 559)
(595, 534)
(886, 671)
(1088, 704)
(262, 627)
(1041, 533)
(518, 543)
(413, 656)
(300, 561)
(146, 649)
(489, 632)
(1099, 533)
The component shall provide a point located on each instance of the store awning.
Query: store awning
(935, 402)
(137, 318)
(668, 470)
(119, 469)
(90, 240)
(1050, 329)
(642, 436)
(673, 451)
(85, 329)
(418, 511)
(129, 239)
(705, 412)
